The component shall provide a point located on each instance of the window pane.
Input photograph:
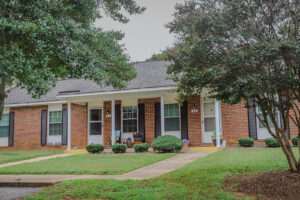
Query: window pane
(172, 124)
(55, 117)
(5, 120)
(4, 131)
(55, 129)
(209, 124)
(95, 115)
(171, 110)
(95, 128)
(269, 121)
(130, 126)
(209, 109)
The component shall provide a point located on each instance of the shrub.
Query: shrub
(295, 140)
(119, 148)
(94, 148)
(272, 142)
(140, 147)
(167, 143)
(246, 142)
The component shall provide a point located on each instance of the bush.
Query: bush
(272, 142)
(295, 140)
(119, 148)
(140, 147)
(167, 143)
(246, 142)
(94, 148)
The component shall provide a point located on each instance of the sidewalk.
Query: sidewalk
(149, 171)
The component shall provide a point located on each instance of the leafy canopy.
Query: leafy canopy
(241, 49)
(42, 41)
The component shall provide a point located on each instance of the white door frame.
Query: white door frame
(263, 133)
(93, 138)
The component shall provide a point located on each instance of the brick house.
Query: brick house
(78, 112)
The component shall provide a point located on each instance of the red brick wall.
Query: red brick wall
(107, 122)
(149, 118)
(234, 123)
(27, 133)
(79, 126)
(194, 122)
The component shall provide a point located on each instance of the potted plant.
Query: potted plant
(213, 137)
(185, 143)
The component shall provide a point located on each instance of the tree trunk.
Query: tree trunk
(2, 95)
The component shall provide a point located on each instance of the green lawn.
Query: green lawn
(88, 164)
(202, 179)
(12, 156)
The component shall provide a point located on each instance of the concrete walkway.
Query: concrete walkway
(149, 171)
(36, 159)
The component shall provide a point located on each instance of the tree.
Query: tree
(243, 51)
(158, 56)
(43, 41)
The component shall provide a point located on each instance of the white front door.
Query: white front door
(95, 126)
(262, 132)
(208, 120)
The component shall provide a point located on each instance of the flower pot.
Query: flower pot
(185, 144)
(215, 140)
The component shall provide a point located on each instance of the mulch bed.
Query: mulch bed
(275, 185)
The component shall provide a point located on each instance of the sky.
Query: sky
(145, 34)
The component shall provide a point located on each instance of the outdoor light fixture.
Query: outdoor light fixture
(194, 109)
(108, 113)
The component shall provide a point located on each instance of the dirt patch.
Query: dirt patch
(275, 185)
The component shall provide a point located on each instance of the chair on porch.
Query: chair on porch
(138, 137)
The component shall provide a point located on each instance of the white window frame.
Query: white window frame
(179, 116)
(137, 119)
(4, 140)
(53, 139)
(263, 133)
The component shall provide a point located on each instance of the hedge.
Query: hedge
(140, 147)
(167, 143)
(119, 148)
(295, 140)
(94, 148)
(272, 142)
(246, 142)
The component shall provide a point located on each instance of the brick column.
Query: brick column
(194, 122)
(149, 118)
(79, 122)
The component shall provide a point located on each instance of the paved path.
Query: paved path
(13, 193)
(149, 171)
(36, 159)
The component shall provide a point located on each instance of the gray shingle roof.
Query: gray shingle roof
(150, 74)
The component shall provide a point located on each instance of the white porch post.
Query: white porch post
(162, 115)
(69, 126)
(217, 114)
(113, 118)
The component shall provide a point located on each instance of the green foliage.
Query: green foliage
(159, 56)
(295, 140)
(119, 148)
(167, 143)
(43, 41)
(246, 142)
(140, 147)
(94, 148)
(272, 142)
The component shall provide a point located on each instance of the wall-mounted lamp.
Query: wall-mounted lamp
(194, 109)
(108, 113)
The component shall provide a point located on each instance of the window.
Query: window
(172, 117)
(4, 126)
(259, 112)
(55, 123)
(129, 119)
(95, 122)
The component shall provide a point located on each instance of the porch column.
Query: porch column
(217, 114)
(113, 120)
(69, 126)
(162, 115)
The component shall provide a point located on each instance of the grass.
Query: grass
(201, 179)
(87, 164)
(12, 156)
